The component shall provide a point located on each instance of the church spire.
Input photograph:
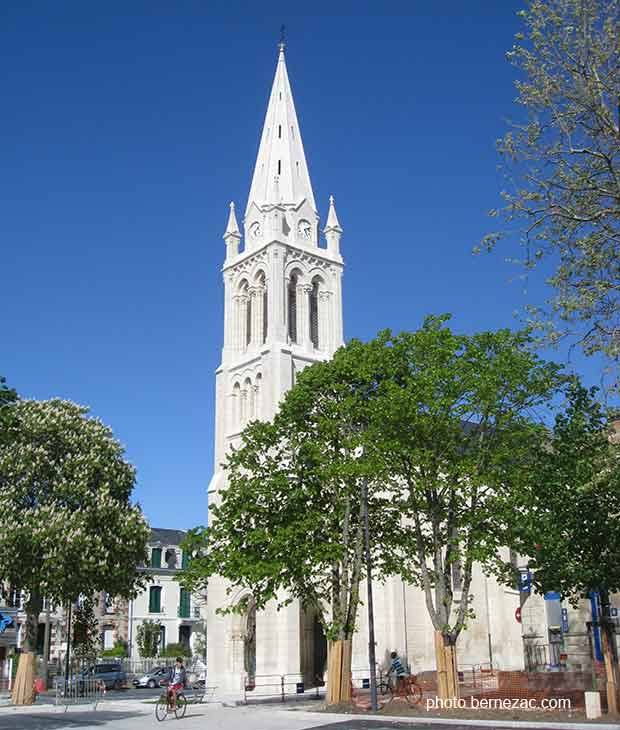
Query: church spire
(231, 234)
(281, 173)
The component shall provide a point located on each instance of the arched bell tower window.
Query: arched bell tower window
(314, 314)
(292, 308)
(248, 321)
(262, 308)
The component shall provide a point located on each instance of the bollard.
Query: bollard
(593, 705)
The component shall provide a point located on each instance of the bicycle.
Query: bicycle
(408, 689)
(164, 706)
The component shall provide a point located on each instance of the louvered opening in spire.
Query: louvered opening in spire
(281, 173)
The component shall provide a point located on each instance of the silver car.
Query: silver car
(153, 678)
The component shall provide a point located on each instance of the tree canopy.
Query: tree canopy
(453, 426)
(8, 397)
(569, 522)
(67, 525)
(439, 425)
(289, 524)
(563, 168)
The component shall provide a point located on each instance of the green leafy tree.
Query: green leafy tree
(148, 638)
(86, 644)
(570, 516)
(563, 164)
(176, 649)
(289, 525)
(570, 521)
(439, 427)
(453, 426)
(67, 525)
(119, 650)
(8, 397)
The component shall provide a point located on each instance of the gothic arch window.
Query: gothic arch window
(261, 321)
(248, 321)
(236, 406)
(244, 318)
(247, 401)
(265, 310)
(257, 396)
(292, 307)
(314, 314)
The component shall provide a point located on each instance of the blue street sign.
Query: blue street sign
(5, 622)
(525, 581)
(565, 621)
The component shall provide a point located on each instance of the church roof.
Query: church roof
(281, 173)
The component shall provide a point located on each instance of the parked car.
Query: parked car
(153, 678)
(112, 675)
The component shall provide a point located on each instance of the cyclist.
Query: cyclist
(399, 671)
(178, 677)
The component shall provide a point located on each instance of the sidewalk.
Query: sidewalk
(228, 706)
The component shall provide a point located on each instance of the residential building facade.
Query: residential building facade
(179, 613)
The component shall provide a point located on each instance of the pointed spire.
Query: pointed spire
(332, 218)
(232, 228)
(232, 236)
(333, 229)
(281, 152)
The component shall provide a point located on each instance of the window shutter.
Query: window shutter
(155, 599)
(156, 558)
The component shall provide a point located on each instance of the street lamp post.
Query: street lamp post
(68, 646)
(371, 618)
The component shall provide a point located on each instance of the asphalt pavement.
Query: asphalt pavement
(134, 715)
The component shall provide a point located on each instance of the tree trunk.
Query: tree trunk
(447, 673)
(339, 671)
(607, 637)
(23, 689)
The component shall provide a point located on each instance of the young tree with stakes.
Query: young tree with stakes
(290, 524)
(569, 520)
(453, 427)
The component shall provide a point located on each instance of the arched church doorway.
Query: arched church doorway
(313, 646)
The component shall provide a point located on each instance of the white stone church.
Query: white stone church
(283, 311)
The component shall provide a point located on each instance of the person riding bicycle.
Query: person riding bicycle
(178, 677)
(399, 671)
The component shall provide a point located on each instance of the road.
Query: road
(138, 716)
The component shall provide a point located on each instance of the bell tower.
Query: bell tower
(282, 312)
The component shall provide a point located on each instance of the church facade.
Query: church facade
(283, 311)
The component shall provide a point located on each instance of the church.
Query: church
(283, 274)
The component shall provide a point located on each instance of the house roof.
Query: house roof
(163, 536)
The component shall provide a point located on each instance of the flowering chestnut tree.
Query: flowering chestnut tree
(67, 523)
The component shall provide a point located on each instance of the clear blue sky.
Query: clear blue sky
(127, 127)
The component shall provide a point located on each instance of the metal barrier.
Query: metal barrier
(274, 686)
(76, 690)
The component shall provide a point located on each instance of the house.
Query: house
(164, 601)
